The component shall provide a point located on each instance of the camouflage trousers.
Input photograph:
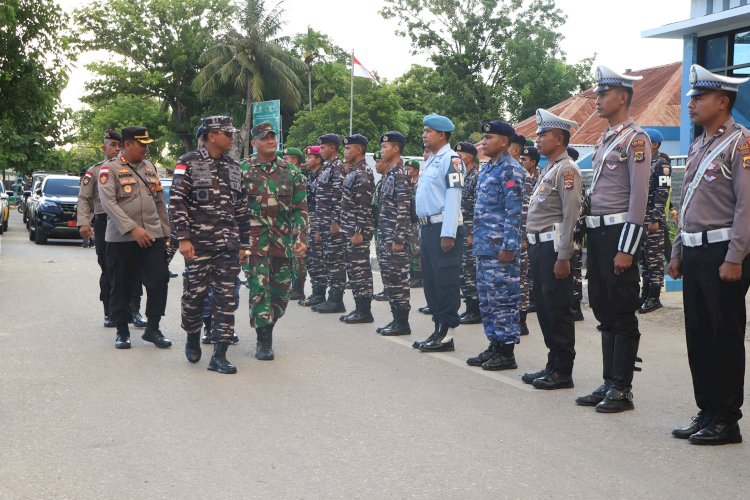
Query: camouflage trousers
(358, 267)
(334, 255)
(268, 279)
(499, 288)
(394, 271)
(652, 260)
(415, 254)
(469, 274)
(527, 283)
(314, 262)
(217, 271)
(576, 265)
(299, 270)
(209, 300)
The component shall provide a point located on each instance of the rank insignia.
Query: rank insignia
(127, 189)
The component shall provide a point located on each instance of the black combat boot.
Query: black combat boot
(577, 312)
(529, 378)
(645, 292)
(717, 432)
(393, 321)
(502, 359)
(154, 335)
(433, 336)
(381, 297)
(472, 316)
(619, 398)
(437, 344)
(219, 362)
(652, 303)
(318, 296)
(552, 381)
(264, 347)
(524, 327)
(135, 313)
(193, 347)
(334, 304)
(399, 325)
(297, 293)
(206, 339)
(698, 422)
(483, 356)
(363, 312)
(122, 340)
(608, 352)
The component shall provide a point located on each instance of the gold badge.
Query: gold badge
(127, 189)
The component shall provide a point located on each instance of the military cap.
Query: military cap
(294, 152)
(412, 164)
(546, 121)
(393, 137)
(531, 152)
(498, 127)
(518, 139)
(377, 156)
(139, 134)
(111, 135)
(218, 122)
(312, 150)
(356, 139)
(607, 79)
(439, 123)
(466, 147)
(261, 130)
(654, 135)
(573, 153)
(702, 81)
(331, 139)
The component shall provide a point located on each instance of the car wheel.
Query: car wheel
(40, 238)
(32, 231)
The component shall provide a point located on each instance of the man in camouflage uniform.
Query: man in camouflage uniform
(415, 255)
(652, 257)
(497, 246)
(357, 224)
(576, 261)
(380, 167)
(89, 207)
(208, 206)
(468, 154)
(529, 161)
(294, 157)
(278, 232)
(327, 203)
(314, 256)
(394, 223)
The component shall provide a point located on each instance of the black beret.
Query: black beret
(499, 128)
(518, 139)
(331, 139)
(393, 137)
(466, 147)
(112, 135)
(356, 139)
(573, 153)
(531, 152)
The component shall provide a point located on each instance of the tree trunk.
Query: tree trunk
(309, 86)
(178, 112)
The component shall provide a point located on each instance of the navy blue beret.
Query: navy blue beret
(498, 127)
(518, 139)
(356, 139)
(531, 152)
(331, 139)
(573, 153)
(393, 137)
(466, 147)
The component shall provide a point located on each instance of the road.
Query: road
(341, 413)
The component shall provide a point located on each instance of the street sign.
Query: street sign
(269, 111)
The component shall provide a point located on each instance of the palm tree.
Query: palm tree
(255, 60)
(311, 46)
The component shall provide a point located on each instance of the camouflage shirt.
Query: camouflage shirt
(395, 205)
(328, 195)
(658, 189)
(277, 199)
(355, 212)
(528, 188)
(207, 202)
(469, 198)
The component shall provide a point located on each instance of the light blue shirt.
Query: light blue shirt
(439, 189)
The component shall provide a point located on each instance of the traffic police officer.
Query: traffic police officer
(438, 206)
(208, 207)
(131, 196)
(711, 253)
(468, 153)
(358, 226)
(553, 213)
(314, 256)
(615, 209)
(529, 161)
(497, 247)
(652, 257)
(90, 210)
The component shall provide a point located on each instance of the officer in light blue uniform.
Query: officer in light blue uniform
(497, 247)
(438, 204)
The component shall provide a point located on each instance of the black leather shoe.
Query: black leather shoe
(553, 381)
(593, 399)
(528, 378)
(432, 338)
(193, 347)
(108, 323)
(358, 317)
(396, 328)
(219, 361)
(483, 356)
(425, 310)
(312, 300)
(651, 304)
(471, 318)
(616, 401)
(698, 423)
(380, 297)
(500, 361)
(437, 346)
(173, 275)
(122, 342)
(264, 347)
(717, 433)
(138, 320)
(156, 337)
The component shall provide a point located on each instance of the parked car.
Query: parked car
(52, 212)
(4, 209)
(29, 196)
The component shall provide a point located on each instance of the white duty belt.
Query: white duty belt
(541, 237)
(706, 237)
(435, 219)
(594, 221)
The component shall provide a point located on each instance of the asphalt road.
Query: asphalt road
(341, 413)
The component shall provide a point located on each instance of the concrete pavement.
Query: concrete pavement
(341, 413)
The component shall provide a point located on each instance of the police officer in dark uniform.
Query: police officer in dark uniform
(711, 253)
(138, 226)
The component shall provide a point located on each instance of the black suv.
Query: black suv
(52, 212)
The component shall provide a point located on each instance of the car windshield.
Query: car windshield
(62, 187)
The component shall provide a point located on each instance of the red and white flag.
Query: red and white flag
(361, 71)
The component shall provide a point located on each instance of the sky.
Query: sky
(608, 28)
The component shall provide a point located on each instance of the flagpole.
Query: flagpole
(351, 94)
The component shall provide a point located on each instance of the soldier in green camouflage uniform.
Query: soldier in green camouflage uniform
(277, 200)
(295, 158)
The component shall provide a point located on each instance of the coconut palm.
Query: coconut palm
(254, 58)
(311, 46)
